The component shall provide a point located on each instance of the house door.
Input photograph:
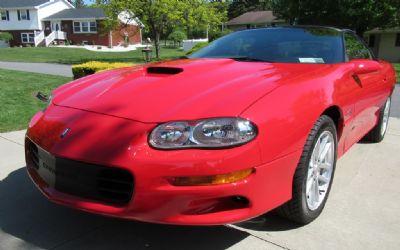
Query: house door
(56, 26)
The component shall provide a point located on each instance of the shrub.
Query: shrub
(217, 34)
(89, 68)
(197, 47)
(5, 36)
(177, 36)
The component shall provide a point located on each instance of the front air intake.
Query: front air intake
(164, 70)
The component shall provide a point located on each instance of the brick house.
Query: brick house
(46, 22)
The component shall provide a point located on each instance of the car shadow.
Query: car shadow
(29, 220)
(270, 222)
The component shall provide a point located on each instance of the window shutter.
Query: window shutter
(27, 14)
(8, 15)
(19, 15)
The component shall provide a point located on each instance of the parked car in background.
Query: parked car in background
(253, 122)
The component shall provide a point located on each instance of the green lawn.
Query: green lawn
(17, 101)
(397, 67)
(74, 56)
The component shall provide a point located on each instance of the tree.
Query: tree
(79, 4)
(177, 36)
(203, 15)
(158, 16)
(239, 7)
(359, 15)
(6, 37)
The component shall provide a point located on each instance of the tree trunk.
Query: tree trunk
(157, 44)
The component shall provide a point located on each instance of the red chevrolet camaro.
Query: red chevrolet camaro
(253, 122)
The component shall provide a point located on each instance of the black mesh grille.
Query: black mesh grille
(33, 153)
(95, 182)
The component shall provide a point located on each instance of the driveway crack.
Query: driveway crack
(11, 141)
(81, 235)
(256, 236)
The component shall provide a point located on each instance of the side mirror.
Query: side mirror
(365, 66)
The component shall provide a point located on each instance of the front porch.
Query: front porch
(40, 37)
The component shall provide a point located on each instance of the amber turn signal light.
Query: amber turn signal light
(212, 179)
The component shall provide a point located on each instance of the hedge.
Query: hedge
(88, 68)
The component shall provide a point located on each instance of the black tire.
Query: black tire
(376, 135)
(297, 209)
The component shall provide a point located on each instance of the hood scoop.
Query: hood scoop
(164, 70)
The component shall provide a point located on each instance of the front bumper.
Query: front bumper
(112, 142)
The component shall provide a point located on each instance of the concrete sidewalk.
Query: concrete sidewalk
(361, 213)
(44, 68)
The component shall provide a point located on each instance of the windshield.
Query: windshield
(285, 45)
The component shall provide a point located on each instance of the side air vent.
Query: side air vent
(164, 70)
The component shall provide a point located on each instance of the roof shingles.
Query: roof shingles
(253, 17)
(21, 3)
(83, 13)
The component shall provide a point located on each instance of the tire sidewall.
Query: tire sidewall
(381, 115)
(326, 125)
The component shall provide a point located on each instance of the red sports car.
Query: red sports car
(253, 122)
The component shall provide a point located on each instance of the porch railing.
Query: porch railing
(39, 36)
(55, 35)
(61, 35)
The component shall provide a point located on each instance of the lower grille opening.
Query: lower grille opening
(110, 185)
(32, 153)
(115, 184)
(106, 184)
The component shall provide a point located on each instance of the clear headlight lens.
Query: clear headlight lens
(208, 133)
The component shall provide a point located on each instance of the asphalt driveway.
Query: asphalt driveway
(44, 68)
(361, 213)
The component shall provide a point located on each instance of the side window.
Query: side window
(355, 49)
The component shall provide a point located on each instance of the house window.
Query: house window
(4, 16)
(371, 41)
(85, 27)
(77, 27)
(23, 15)
(93, 27)
(397, 44)
(27, 37)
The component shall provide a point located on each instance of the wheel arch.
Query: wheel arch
(336, 114)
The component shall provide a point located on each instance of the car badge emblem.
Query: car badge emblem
(65, 132)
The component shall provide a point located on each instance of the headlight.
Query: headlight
(209, 133)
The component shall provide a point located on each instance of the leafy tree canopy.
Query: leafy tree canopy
(5, 36)
(359, 15)
(79, 4)
(161, 16)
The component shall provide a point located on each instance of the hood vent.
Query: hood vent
(164, 70)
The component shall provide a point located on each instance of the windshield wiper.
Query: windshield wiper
(247, 59)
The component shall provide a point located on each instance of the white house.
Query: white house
(43, 22)
(23, 18)
(385, 43)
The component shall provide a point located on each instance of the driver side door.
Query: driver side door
(368, 90)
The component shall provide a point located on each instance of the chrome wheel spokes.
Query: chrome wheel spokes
(320, 170)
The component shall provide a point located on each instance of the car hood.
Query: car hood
(179, 90)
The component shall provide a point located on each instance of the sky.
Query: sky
(88, 1)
